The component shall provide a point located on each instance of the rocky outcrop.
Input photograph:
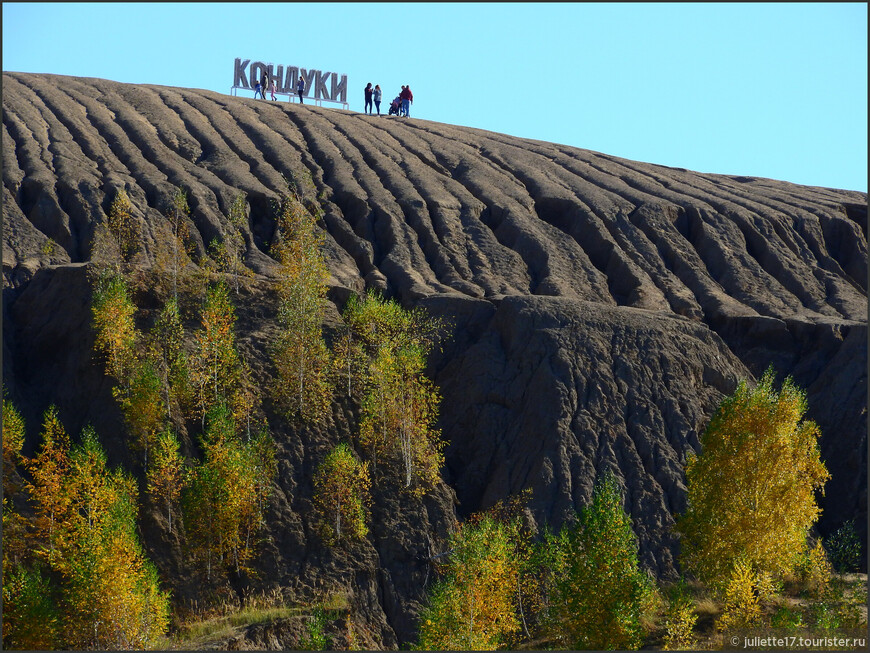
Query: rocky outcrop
(600, 307)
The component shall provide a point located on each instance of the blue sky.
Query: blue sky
(772, 90)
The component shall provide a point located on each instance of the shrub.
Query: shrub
(844, 548)
(741, 607)
(680, 619)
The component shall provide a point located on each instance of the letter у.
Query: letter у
(308, 76)
(339, 91)
(290, 80)
(240, 77)
(320, 90)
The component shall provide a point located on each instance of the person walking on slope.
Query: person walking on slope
(258, 90)
(368, 97)
(264, 84)
(300, 88)
(376, 96)
(407, 100)
(272, 90)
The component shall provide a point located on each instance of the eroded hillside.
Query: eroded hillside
(601, 307)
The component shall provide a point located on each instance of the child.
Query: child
(272, 90)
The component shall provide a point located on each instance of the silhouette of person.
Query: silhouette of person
(376, 96)
(368, 97)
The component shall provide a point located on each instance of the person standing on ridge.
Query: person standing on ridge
(376, 96)
(407, 100)
(300, 88)
(368, 97)
(258, 90)
(264, 84)
(272, 90)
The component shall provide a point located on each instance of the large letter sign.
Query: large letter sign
(320, 86)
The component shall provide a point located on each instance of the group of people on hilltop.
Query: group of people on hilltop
(401, 106)
(264, 83)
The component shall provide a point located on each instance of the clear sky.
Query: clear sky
(774, 90)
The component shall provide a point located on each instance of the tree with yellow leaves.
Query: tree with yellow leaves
(30, 616)
(301, 357)
(341, 495)
(48, 472)
(474, 606)
(166, 473)
(400, 406)
(122, 225)
(13, 440)
(215, 366)
(86, 531)
(117, 238)
(111, 594)
(752, 488)
(113, 320)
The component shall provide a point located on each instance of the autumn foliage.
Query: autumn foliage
(100, 591)
(225, 494)
(752, 488)
(400, 403)
(598, 591)
(300, 354)
(475, 605)
(341, 495)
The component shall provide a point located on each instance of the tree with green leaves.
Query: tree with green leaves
(30, 615)
(341, 495)
(215, 366)
(227, 252)
(108, 594)
(751, 491)
(475, 604)
(141, 401)
(300, 354)
(172, 362)
(598, 592)
(225, 494)
(400, 404)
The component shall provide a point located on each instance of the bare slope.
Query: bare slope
(602, 306)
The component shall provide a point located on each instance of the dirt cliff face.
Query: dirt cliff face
(601, 307)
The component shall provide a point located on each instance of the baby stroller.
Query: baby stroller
(395, 106)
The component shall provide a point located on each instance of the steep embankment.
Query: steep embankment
(602, 307)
